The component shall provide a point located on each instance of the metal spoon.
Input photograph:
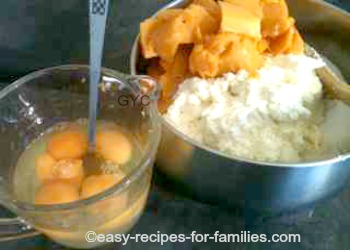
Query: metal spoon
(98, 14)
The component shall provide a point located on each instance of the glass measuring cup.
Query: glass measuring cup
(36, 102)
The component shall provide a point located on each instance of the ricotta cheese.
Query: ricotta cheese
(273, 116)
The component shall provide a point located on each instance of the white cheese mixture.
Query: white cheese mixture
(273, 116)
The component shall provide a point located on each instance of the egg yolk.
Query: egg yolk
(43, 166)
(113, 204)
(67, 144)
(56, 192)
(114, 146)
(70, 170)
(95, 184)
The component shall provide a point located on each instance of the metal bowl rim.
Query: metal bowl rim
(326, 162)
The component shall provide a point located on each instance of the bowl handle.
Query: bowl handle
(15, 229)
(145, 85)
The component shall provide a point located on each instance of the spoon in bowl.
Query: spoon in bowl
(97, 14)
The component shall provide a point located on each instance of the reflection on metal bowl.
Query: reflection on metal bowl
(211, 176)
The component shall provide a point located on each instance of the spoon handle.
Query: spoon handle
(98, 15)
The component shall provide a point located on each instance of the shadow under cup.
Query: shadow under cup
(36, 102)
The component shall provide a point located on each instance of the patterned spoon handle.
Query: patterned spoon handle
(98, 14)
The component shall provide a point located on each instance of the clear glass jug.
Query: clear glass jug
(34, 103)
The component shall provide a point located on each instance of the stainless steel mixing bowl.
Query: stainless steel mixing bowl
(211, 176)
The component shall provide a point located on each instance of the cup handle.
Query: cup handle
(14, 229)
(145, 85)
